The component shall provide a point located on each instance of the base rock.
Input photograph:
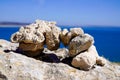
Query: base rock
(15, 66)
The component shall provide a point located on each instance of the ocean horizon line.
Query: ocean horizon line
(89, 26)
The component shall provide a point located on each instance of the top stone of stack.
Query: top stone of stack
(34, 33)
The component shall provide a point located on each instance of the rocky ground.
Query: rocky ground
(16, 66)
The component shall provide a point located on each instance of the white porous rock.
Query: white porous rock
(86, 60)
(16, 37)
(43, 26)
(65, 37)
(33, 44)
(76, 32)
(80, 43)
(32, 37)
(28, 35)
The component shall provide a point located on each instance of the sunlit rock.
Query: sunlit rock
(80, 43)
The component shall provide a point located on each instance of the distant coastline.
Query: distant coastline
(19, 24)
(12, 24)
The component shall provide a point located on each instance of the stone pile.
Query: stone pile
(81, 49)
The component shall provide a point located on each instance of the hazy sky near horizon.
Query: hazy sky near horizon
(64, 12)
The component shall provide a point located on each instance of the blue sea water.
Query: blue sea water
(107, 39)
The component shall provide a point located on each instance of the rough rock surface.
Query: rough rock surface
(31, 49)
(79, 44)
(66, 36)
(60, 53)
(101, 61)
(86, 60)
(15, 66)
(52, 39)
(33, 37)
(76, 32)
(5, 45)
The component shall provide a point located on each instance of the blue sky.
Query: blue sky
(64, 12)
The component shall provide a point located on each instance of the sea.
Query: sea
(107, 39)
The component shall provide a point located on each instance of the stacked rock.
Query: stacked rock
(81, 48)
(33, 37)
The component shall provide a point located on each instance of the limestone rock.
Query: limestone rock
(28, 35)
(93, 50)
(33, 37)
(65, 37)
(52, 38)
(6, 45)
(79, 44)
(101, 61)
(86, 60)
(14, 66)
(43, 26)
(76, 32)
(16, 37)
(60, 53)
(31, 49)
(30, 41)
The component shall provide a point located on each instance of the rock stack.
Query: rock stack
(81, 49)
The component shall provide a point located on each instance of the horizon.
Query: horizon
(64, 12)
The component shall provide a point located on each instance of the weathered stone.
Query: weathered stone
(31, 43)
(86, 60)
(43, 26)
(65, 37)
(76, 32)
(32, 37)
(5, 45)
(31, 49)
(52, 38)
(79, 44)
(16, 37)
(14, 66)
(101, 61)
(60, 53)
